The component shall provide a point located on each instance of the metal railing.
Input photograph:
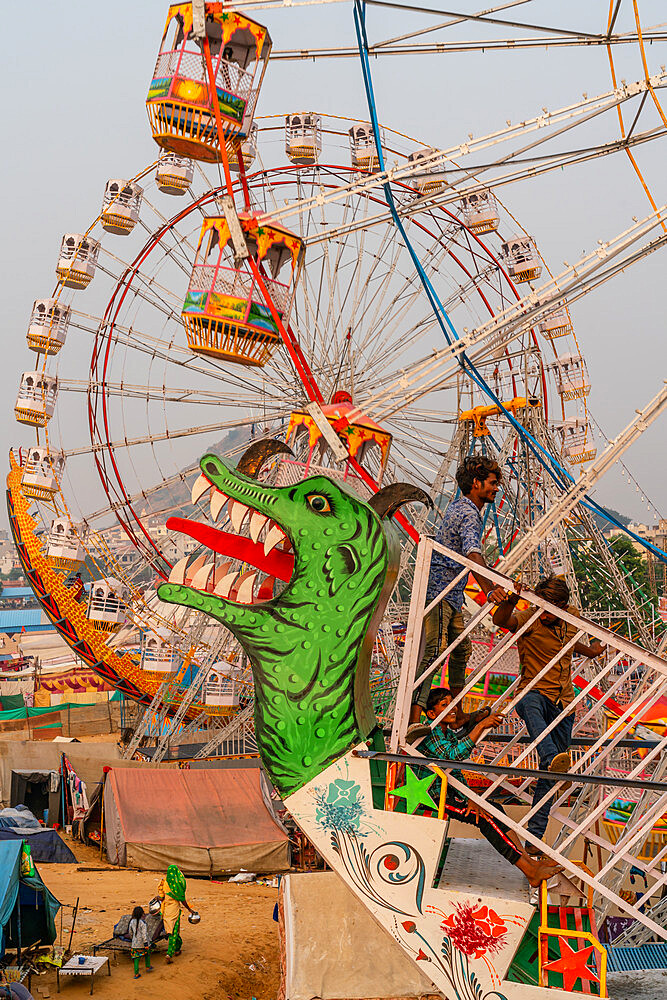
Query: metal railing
(594, 767)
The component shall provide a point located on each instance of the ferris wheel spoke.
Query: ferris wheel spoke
(338, 323)
(360, 252)
(412, 466)
(170, 352)
(150, 283)
(302, 300)
(375, 286)
(411, 290)
(150, 299)
(174, 253)
(124, 504)
(348, 281)
(180, 240)
(334, 305)
(176, 433)
(194, 397)
(406, 299)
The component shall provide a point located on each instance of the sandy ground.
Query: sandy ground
(232, 953)
(637, 985)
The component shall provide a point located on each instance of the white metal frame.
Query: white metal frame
(593, 762)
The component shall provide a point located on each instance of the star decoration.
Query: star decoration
(572, 965)
(415, 791)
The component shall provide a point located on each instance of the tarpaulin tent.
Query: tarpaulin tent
(207, 822)
(20, 824)
(39, 790)
(27, 908)
(87, 760)
(45, 845)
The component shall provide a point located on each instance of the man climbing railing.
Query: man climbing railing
(636, 772)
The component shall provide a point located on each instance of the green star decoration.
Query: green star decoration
(415, 791)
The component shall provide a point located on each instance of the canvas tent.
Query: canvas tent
(207, 822)
(27, 908)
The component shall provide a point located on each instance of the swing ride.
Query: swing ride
(334, 310)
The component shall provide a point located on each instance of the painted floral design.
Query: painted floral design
(473, 933)
(475, 930)
(338, 807)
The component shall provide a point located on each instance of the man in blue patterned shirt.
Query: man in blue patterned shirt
(478, 479)
(443, 741)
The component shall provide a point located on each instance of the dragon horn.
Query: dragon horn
(387, 501)
(254, 457)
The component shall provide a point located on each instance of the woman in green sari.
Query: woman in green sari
(171, 892)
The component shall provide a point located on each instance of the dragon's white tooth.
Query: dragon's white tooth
(237, 513)
(201, 484)
(257, 522)
(218, 501)
(202, 576)
(195, 566)
(273, 536)
(244, 595)
(177, 574)
(224, 586)
(221, 569)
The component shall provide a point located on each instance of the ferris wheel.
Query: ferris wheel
(279, 301)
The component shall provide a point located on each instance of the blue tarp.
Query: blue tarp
(45, 845)
(18, 816)
(27, 908)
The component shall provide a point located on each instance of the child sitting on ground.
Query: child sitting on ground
(140, 943)
(444, 741)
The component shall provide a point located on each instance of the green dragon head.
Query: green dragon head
(309, 647)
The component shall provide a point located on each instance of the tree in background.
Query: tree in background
(596, 590)
(631, 560)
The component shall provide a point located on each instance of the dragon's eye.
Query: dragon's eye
(318, 503)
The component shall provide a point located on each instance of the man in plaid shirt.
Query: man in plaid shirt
(478, 479)
(452, 744)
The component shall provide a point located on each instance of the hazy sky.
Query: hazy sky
(75, 84)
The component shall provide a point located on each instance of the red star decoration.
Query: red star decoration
(572, 965)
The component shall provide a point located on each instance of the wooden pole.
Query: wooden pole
(71, 933)
(104, 778)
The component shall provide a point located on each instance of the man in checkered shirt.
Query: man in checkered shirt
(478, 479)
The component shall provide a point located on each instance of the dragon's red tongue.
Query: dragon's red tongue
(277, 563)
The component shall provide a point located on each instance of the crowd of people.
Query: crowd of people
(545, 680)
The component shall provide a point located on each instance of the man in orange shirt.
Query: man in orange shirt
(549, 696)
